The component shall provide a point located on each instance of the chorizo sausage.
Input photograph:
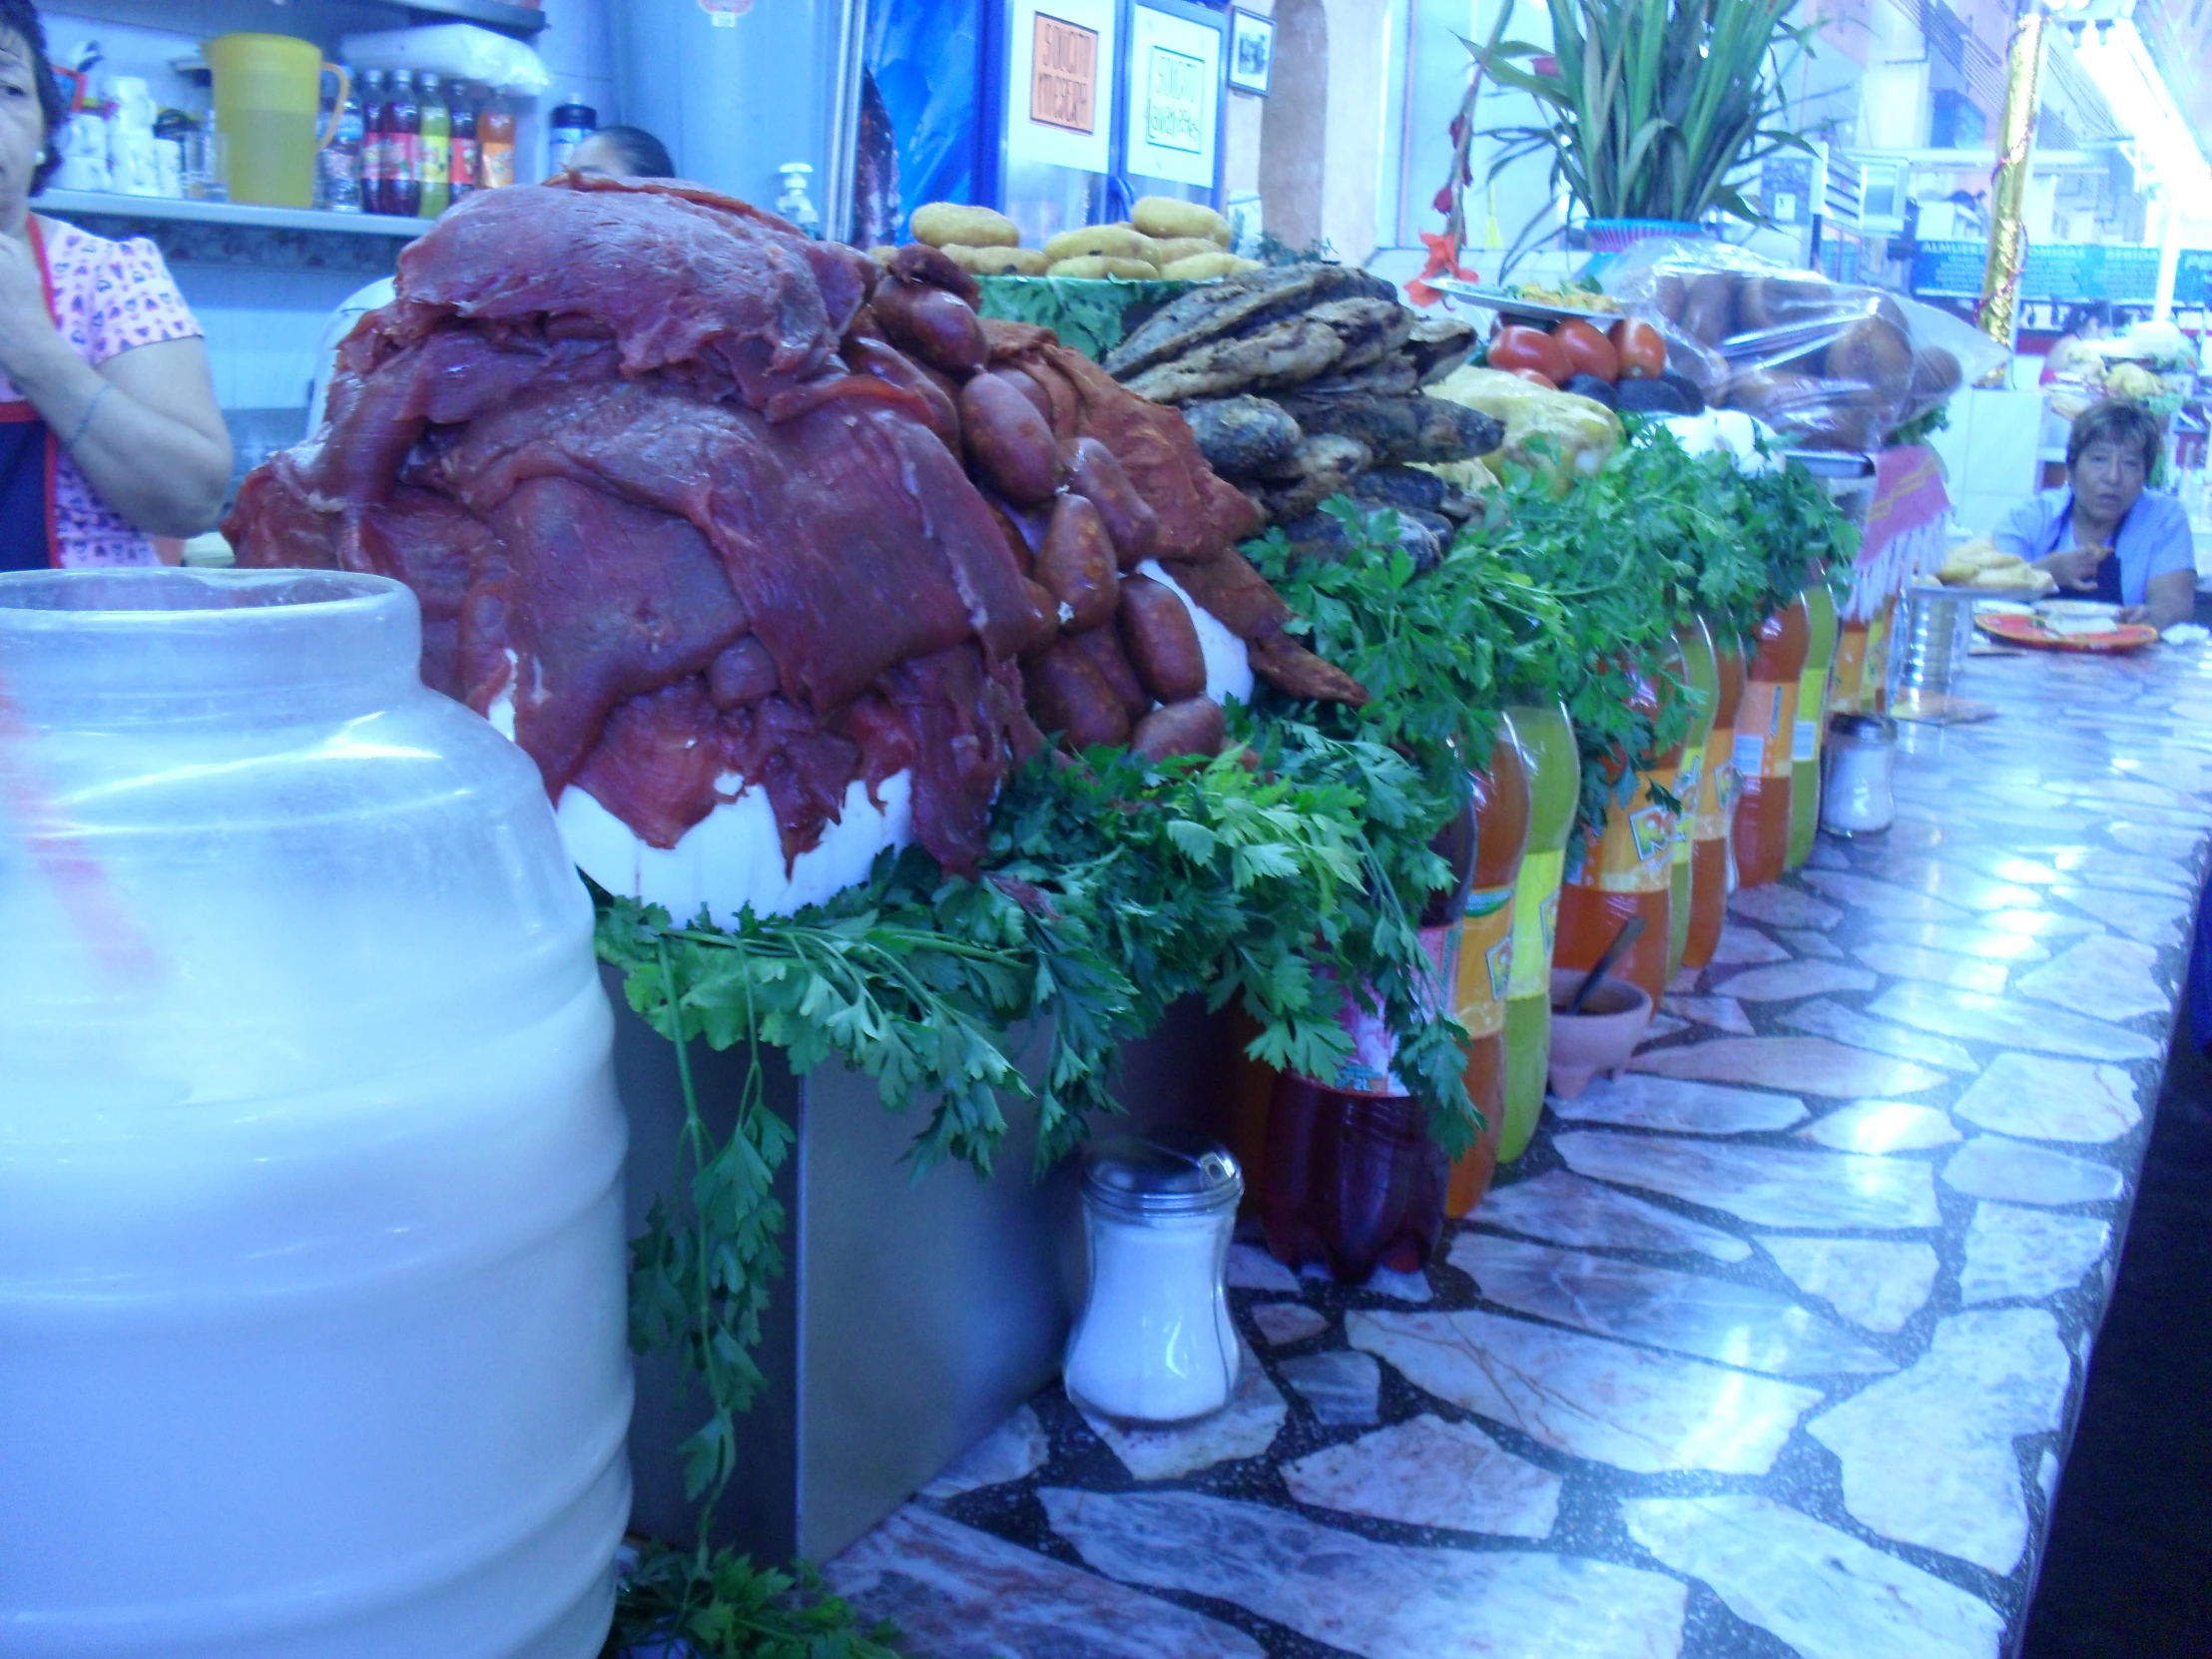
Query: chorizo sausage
(917, 262)
(936, 327)
(1008, 441)
(1067, 694)
(885, 363)
(1076, 565)
(1104, 650)
(1160, 640)
(1196, 726)
(1095, 474)
(1027, 385)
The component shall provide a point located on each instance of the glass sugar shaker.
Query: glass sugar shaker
(1154, 1343)
(1855, 799)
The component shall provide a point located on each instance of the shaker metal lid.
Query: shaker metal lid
(1164, 1171)
(1870, 727)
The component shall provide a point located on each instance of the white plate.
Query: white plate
(2080, 607)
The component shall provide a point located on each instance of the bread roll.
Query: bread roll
(951, 223)
(999, 261)
(1165, 215)
(1113, 241)
(1198, 266)
(1105, 264)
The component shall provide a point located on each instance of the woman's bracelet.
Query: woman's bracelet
(85, 420)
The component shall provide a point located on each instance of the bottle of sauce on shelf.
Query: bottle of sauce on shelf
(1627, 868)
(1812, 721)
(495, 140)
(1486, 971)
(569, 126)
(340, 161)
(1554, 767)
(1848, 684)
(403, 147)
(1766, 723)
(1873, 697)
(375, 161)
(465, 165)
(436, 148)
(1716, 807)
(1352, 1178)
(1702, 672)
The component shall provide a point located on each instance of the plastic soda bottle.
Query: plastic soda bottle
(437, 149)
(1554, 789)
(1352, 1178)
(1501, 807)
(1702, 670)
(1811, 721)
(1766, 723)
(1626, 868)
(1716, 807)
(402, 148)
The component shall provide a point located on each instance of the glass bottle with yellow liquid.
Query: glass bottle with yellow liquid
(1626, 868)
(1702, 671)
(1547, 750)
(1811, 730)
(1501, 811)
(1766, 723)
(1716, 806)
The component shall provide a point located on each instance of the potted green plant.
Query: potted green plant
(1649, 108)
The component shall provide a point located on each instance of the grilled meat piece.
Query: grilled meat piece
(1392, 376)
(1371, 329)
(1240, 436)
(1416, 429)
(1238, 305)
(1439, 345)
(1326, 465)
(1278, 354)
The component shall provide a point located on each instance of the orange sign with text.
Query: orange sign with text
(1063, 86)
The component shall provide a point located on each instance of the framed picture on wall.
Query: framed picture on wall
(1251, 52)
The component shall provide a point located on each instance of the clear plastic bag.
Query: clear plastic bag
(1831, 365)
(458, 51)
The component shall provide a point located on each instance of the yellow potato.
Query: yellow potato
(883, 253)
(997, 261)
(944, 224)
(1164, 216)
(1167, 250)
(1105, 264)
(1198, 266)
(1113, 241)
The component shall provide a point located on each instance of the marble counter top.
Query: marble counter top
(1773, 1346)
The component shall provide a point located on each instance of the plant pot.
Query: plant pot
(1601, 1037)
(1617, 236)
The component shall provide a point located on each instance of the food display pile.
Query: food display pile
(700, 504)
(1161, 239)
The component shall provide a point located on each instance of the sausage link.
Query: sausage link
(1094, 472)
(1008, 441)
(1076, 565)
(1067, 694)
(1103, 647)
(1196, 726)
(936, 327)
(885, 363)
(1161, 639)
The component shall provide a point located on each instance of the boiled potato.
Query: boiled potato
(1167, 250)
(945, 224)
(1105, 264)
(996, 261)
(1198, 266)
(1113, 241)
(1164, 216)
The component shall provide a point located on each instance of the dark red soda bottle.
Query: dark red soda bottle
(1351, 1179)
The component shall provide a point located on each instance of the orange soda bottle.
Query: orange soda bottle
(1486, 968)
(1811, 721)
(1766, 723)
(1545, 737)
(1716, 804)
(1626, 869)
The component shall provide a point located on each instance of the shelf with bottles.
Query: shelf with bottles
(71, 204)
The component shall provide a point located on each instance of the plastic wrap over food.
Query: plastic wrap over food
(1829, 365)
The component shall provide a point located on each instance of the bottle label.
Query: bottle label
(1371, 1066)
(403, 152)
(1811, 702)
(1634, 851)
(1716, 789)
(1688, 781)
(1485, 969)
(1805, 742)
(1766, 727)
(436, 158)
(375, 159)
(1535, 924)
(499, 165)
(464, 166)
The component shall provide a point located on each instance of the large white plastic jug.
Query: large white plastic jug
(312, 1297)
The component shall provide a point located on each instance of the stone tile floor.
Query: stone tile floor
(1772, 1346)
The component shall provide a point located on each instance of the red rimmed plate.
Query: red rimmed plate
(2028, 630)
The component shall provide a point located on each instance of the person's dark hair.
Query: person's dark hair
(2116, 421)
(2098, 311)
(20, 18)
(643, 155)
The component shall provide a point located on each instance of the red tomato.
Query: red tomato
(1588, 352)
(1643, 354)
(1535, 379)
(1516, 347)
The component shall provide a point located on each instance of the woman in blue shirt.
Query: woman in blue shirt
(2101, 536)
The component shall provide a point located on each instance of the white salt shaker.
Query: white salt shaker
(1855, 799)
(1154, 1343)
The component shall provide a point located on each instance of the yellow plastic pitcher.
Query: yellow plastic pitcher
(267, 107)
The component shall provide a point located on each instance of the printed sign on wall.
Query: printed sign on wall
(1060, 82)
(1175, 99)
(1063, 84)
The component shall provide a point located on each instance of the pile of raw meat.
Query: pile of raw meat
(709, 505)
